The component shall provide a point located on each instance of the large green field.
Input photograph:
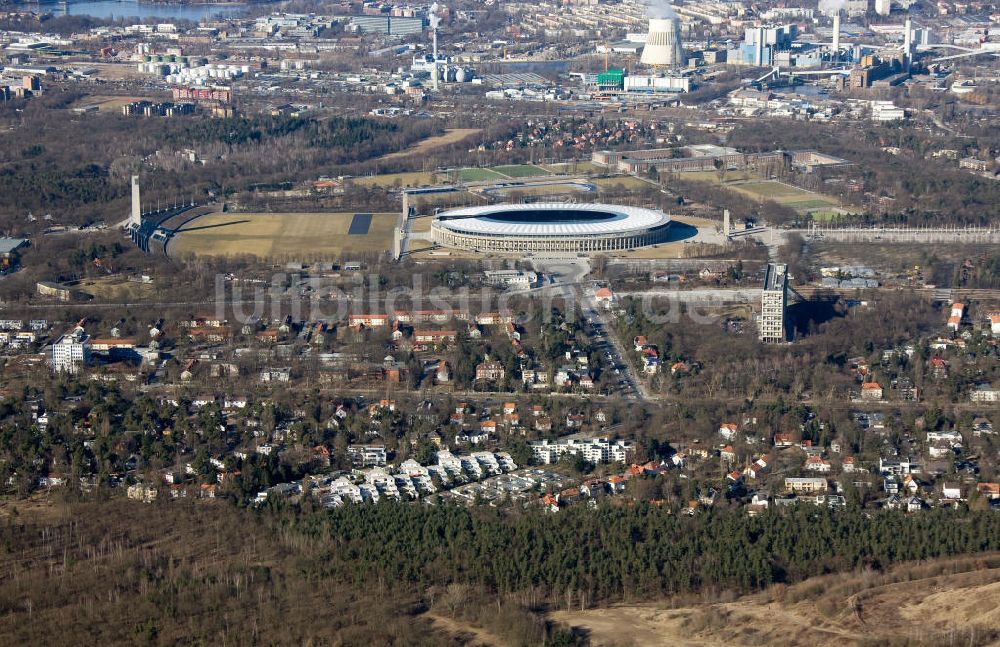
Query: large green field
(479, 175)
(801, 200)
(521, 170)
(302, 236)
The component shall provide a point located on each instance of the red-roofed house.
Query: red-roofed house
(871, 391)
(727, 430)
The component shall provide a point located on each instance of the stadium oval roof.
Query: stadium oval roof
(552, 219)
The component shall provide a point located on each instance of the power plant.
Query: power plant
(663, 46)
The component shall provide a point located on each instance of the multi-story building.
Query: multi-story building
(367, 455)
(510, 278)
(490, 370)
(71, 351)
(773, 300)
(806, 484)
(595, 450)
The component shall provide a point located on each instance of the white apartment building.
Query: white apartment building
(510, 278)
(71, 351)
(367, 455)
(595, 450)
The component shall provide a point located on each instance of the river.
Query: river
(134, 8)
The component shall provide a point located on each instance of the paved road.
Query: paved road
(698, 295)
(566, 275)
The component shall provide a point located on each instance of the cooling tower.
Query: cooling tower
(663, 46)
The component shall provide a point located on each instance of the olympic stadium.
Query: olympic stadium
(550, 227)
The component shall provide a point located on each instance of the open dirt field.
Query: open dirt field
(464, 632)
(450, 136)
(110, 104)
(302, 236)
(116, 288)
(421, 224)
(415, 178)
(117, 71)
(920, 607)
(626, 181)
(573, 167)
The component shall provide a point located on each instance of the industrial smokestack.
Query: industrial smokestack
(135, 218)
(435, 20)
(836, 34)
(907, 38)
(663, 46)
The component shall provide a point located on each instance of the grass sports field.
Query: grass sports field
(302, 236)
(521, 170)
(801, 200)
(791, 196)
(479, 175)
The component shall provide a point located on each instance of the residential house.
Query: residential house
(728, 430)
(939, 368)
(783, 439)
(985, 393)
(955, 316)
(490, 370)
(817, 464)
(368, 320)
(989, 491)
(951, 491)
(807, 485)
(604, 297)
(434, 337)
(367, 455)
(982, 426)
(871, 391)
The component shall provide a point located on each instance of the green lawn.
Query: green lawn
(521, 170)
(478, 175)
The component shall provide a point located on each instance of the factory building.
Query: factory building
(616, 81)
(761, 45)
(875, 70)
(389, 25)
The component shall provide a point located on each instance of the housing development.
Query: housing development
(557, 323)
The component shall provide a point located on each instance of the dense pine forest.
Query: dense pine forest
(616, 553)
(122, 572)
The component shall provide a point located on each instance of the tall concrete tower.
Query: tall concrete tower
(663, 46)
(836, 34)
(908, 39)
(773, 301)
(135, 217)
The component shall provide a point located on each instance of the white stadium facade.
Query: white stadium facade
(550, 227)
